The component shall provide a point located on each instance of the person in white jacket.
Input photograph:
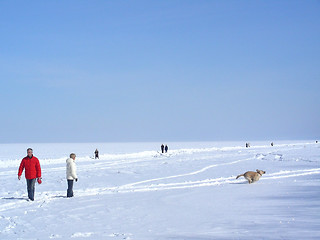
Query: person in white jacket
(71, 173)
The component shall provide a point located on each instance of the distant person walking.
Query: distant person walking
(162, 148)
(71, 173)
(32, 168)
(96, 154)
(166, 148)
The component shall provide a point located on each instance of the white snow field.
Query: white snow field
(190, 193)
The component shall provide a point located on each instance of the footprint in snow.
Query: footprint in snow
(52, 236)
(82, 235)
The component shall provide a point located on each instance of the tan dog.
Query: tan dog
(252, 176)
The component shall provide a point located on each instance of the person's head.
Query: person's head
(29, 152)
(73, 156)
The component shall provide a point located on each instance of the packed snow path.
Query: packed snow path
(188, 193)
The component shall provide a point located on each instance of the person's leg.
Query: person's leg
(70, 188)
(30, 187)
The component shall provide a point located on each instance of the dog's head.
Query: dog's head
(261, 172)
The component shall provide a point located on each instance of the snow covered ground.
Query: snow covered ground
(134, 192)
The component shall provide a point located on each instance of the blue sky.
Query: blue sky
(114, 71)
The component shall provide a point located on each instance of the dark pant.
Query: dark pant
(30, 188)
(70, 188)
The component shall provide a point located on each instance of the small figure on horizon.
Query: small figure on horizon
(316, 141)
(71, 171)
(247, 145)
(272, 144)
(162, 148)
(32, 168)
(96, 154)
(166, 148)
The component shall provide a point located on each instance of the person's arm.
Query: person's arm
(73, 170)
(21, 168)
(38, 169)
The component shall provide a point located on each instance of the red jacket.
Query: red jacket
(32, 166)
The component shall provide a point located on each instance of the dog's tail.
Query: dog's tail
(241, 175)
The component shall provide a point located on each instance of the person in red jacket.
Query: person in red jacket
(32, 168)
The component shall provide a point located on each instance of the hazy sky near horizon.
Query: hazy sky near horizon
(113, 71)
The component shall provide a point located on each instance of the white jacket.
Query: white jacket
(71, 169)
